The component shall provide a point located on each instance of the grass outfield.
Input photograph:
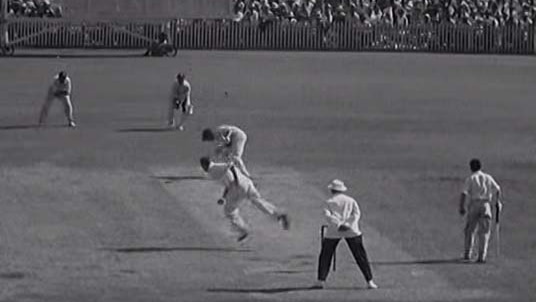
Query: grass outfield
(116, 210)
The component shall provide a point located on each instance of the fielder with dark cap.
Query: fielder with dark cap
(480, 189)
(60, 89)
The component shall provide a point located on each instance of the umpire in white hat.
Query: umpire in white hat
(342, 214)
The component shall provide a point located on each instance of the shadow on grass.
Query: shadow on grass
(275, 290)
(27, 127)
(13, 275)
(87, 55)
(134, 130)
(425, 262)
(156, 249)
(35, 126)
(172, 178)
(291, 272)
(18, 127)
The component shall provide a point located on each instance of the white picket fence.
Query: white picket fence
(228, 35)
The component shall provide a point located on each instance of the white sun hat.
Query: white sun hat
(337, 185)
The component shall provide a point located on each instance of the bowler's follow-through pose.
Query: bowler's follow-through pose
(60, 89)
(237, 188)
(230, 144)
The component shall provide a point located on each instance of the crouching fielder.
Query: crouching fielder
(180, 100)
(237, 188)
(59, 89)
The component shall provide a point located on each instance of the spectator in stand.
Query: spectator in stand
(392, 12)
(34, 8)
(239, 11)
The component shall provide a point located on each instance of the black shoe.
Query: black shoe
(285, 221)
(242, 237)
(318, 285)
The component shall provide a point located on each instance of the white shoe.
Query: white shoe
(371, 285)
(319, 284)
(180, 128)
(72, 124)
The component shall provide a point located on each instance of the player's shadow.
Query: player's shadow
(78, 56)
(420, 262)
(149, 130)
(35, 126)
(173, 178)
(275, 290)
(18, 127)
(13, 275)
(162, 249)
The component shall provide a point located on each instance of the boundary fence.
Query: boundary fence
(228, 35)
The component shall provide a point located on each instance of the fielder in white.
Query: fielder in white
(180, 100)
(480, 189)
(60, 89)
(230, 144)
(237, 188)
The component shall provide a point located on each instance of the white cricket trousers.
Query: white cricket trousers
(67, 107)
(479, 221)
(238, 144)
(235, 195)
(183, 115)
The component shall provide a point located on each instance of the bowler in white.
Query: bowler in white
(237, 188)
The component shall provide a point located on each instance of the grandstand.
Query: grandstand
(429, 26)
(146, 8)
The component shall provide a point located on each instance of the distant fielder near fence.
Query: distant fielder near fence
(229, 35)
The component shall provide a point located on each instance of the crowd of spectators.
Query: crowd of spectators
(34, 8)
(392, 12)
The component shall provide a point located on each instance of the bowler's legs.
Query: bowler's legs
(232, 213)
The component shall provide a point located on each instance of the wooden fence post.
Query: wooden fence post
(4, 35)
